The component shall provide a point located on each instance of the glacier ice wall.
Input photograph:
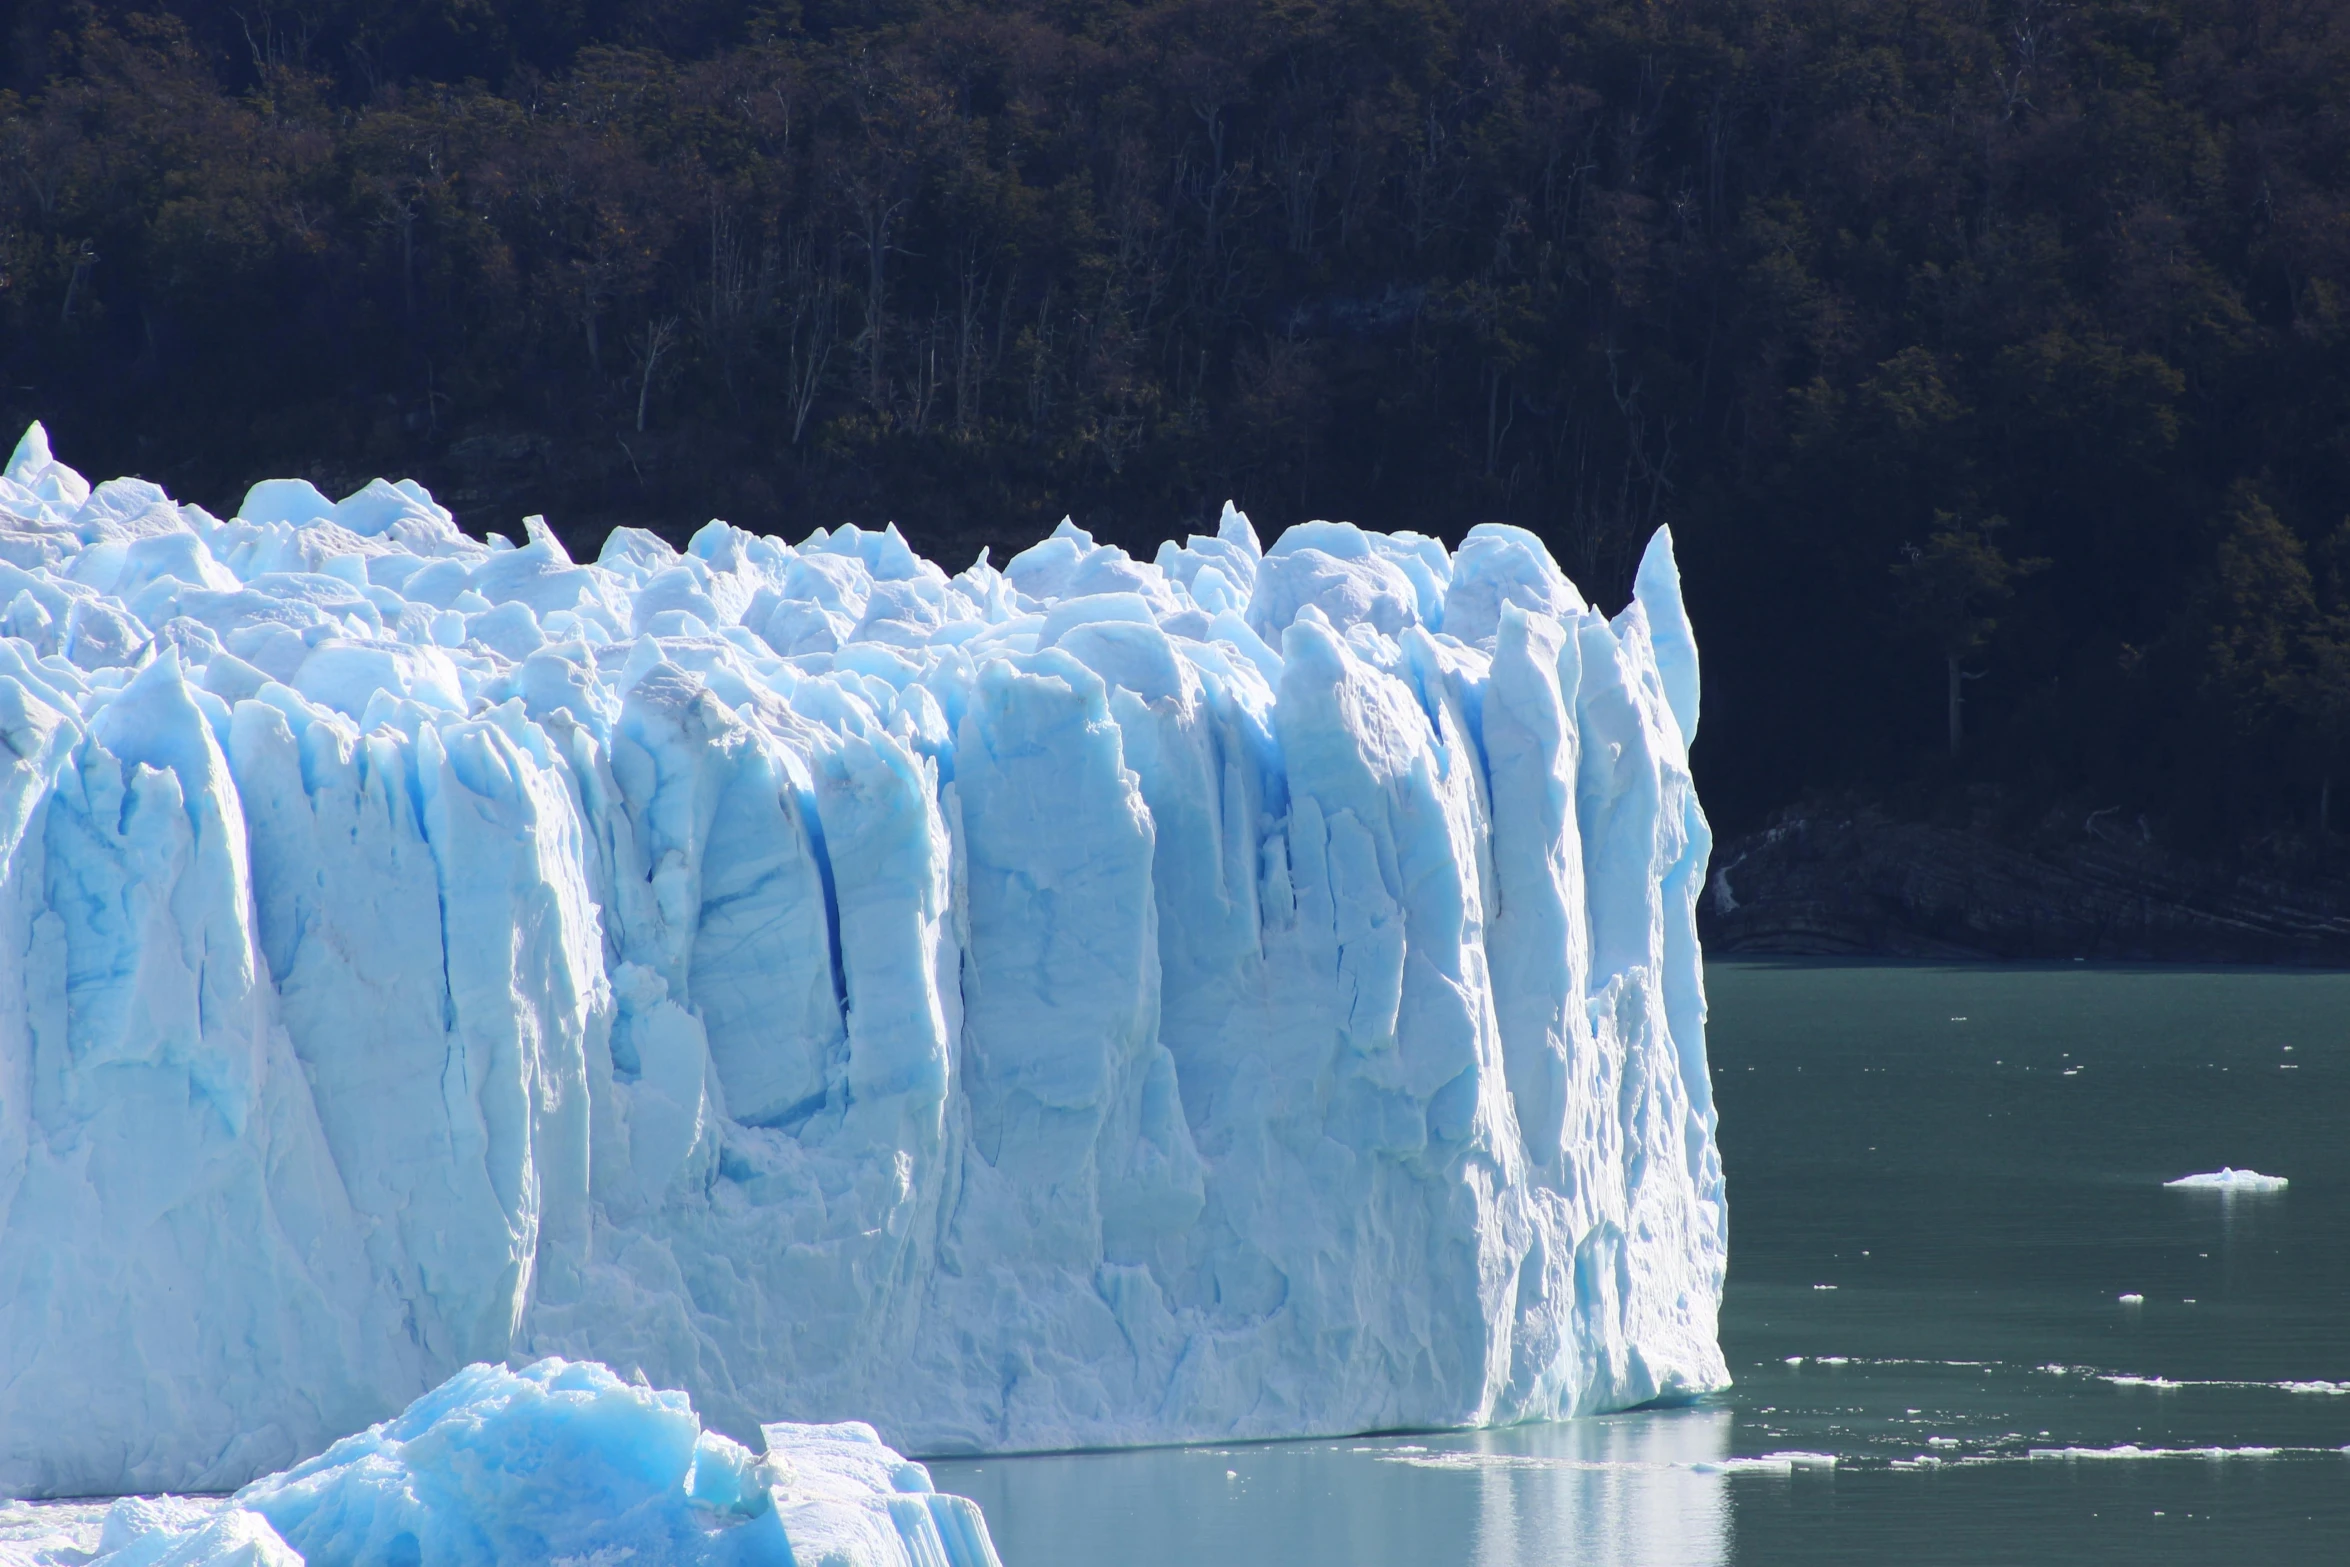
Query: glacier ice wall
(1247, 994)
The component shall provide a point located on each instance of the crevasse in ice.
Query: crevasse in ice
(1245, 994)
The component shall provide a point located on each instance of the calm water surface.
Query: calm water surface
(1941, 1182)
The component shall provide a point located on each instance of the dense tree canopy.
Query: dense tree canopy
(1835, 287)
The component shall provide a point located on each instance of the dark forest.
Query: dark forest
(1990, 359)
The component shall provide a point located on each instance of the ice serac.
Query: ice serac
(1249, 993)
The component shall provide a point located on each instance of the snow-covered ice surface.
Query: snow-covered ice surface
(2230, 1180)
(558, 1462)
(1247, 994)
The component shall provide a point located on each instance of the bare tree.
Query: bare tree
(740, 288)
(971, 289)
(877, 217)
(653, 339)
(814, 293)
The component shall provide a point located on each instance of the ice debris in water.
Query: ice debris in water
(562, 1461)
(2231, 1180)
(1245, 993)
(2131, 1450)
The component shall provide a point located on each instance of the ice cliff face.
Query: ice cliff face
(1248, 994)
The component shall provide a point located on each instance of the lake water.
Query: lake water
(1941, 1182)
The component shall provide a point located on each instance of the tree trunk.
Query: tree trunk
(1492, 413)
(656, 343)
(1955, 682)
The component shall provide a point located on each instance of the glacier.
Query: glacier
(1252, 992)
(556, 1462)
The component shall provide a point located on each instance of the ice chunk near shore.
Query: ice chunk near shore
(2230, 1180)
(1248, 993)
(564, 1461)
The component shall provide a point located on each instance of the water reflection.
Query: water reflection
(1623, 1491)
(1983, 1197)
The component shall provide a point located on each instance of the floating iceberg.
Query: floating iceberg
(1250, 993)
(560, 1461)
(2230, 1180)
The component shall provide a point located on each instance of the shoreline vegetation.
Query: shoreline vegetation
(1846, 880)
(1989, 360)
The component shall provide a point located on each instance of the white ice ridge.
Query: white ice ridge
(558, 1462)
(2228, 1179)
(1246, 994)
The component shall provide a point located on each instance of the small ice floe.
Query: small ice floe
(2319, 1388)
(1515, 1463)
(1767, 1464)
(1508, 1463)
(2227, 1179)
(1521, 1462)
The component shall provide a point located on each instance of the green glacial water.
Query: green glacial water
(1942, 1180)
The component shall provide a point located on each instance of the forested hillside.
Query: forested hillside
(1992, 350)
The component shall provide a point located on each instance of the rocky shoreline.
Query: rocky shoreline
(1859, 884)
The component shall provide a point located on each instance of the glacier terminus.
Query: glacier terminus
(1249, 993)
